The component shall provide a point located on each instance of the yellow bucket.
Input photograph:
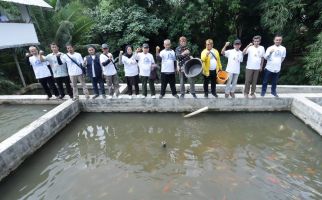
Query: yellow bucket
(222, 77)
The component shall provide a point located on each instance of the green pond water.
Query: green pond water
(211, 156)
(15, 117)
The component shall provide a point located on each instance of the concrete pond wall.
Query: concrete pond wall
(15, 149)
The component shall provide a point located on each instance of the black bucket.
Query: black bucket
(193, 67)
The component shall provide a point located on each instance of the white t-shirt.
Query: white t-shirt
(73, 69)
(168, 57)
(108, 70)
(255, 56)
(234, 60)
(274, 61)
(130, 66)
(145, 63)
(40, 68)
(213, 60)
(58, 70)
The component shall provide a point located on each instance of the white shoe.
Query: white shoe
(134, 96)
(142, 97)
(153, 97)
(130, 96)
(110, 97)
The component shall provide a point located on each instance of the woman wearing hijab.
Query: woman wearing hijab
(131, 70)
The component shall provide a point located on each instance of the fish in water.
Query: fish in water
(164, 144)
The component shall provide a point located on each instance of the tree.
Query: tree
(313, 62)
(124, 25)
(69, 24)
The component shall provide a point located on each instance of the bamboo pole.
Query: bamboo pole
(204, 109)
(19, 69)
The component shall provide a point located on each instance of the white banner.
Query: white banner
(17, 35)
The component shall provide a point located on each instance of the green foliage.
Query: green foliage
(137, 21)
(7, 86)
(293, 75)
(9, 10)
(125, 25)
(277, 13)
(69, 24)
(313, 62)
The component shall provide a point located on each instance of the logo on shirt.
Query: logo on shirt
(38, 62)
(278, 53)
(170, 56)
(146, 60)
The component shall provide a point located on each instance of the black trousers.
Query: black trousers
(60, 82)
(98, 80)
(48, 84)
(132, 81)
(212, 78)
(165, 79)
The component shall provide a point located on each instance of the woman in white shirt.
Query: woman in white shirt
(131, 70)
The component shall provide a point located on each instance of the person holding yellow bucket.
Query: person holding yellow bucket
(211, 64)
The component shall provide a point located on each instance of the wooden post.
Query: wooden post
(19, 69)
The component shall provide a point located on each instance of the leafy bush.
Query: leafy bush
(7, 87)
(313, 61)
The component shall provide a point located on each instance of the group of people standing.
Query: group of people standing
(139, 65)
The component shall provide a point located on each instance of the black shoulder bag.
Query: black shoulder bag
(116, 68)
(82, 68)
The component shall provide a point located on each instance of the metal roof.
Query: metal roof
(39, 3)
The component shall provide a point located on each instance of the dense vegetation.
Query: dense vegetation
(136, 21)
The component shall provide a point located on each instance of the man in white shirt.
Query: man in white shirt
(94, 71)
(274, 55)
(41, 70)
(74, 63)
(168, 67)
(235, 57)
(59, 71)
(254, 65)
(183, 55)
(146, 65)
(109, 71)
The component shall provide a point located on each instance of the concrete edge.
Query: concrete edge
(309, 112)
(29, 99)
(170, 104)
(15, 149)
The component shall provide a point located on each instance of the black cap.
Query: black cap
(105, 46)
(145, 45)
(237, 41)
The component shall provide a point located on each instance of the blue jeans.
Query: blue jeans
(95, 81)
(231, 83)
(269, 75)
